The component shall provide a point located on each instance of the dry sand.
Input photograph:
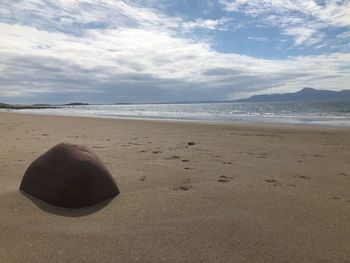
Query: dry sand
(241, 193)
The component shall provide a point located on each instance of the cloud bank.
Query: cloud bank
(118, 51)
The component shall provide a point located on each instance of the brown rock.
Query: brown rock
(70, 176)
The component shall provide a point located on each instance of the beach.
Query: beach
(190, 192)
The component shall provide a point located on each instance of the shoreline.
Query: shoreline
(190, 192)
(194, 121)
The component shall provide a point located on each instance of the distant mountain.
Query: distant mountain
(304, 95)
(76, 104)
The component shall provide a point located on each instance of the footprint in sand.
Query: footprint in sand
(224, 179)
(191, 143)
(181, 187)
(301, 176)
(262, 155)
(172, 157)
(273, 182)
(156, 152)
(185, 161)
(143, 178)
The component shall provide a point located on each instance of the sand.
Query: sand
(190, 192)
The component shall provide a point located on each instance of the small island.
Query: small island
(37, 106)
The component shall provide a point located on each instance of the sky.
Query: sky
(109, 51)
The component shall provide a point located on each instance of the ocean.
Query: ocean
(310, 113)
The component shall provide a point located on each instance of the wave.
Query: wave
(337, 113)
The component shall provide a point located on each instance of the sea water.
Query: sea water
(320, 113)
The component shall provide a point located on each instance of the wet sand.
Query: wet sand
(190, 192)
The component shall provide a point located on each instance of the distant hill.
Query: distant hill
(37, 106)
(304, 95)
(23, 107)
(76, 104)
(3, 105)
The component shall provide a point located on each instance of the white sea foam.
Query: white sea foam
(328, 113)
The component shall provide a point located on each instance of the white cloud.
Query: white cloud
(344, 35)
(139, 56)
(302, 19)
(304, 35)
(74, 16)
(259, 39)
(209, 24)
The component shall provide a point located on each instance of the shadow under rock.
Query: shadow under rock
(67, 212)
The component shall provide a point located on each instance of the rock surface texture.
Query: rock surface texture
(69, 176)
